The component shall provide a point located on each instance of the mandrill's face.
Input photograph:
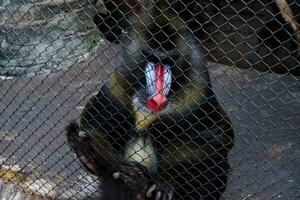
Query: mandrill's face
(155, 91)
(153, 53)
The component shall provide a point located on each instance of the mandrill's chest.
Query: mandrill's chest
(122, 122)
(114, 109)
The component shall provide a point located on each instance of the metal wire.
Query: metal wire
(56, 55)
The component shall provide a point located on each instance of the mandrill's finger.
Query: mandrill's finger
(130, 181)
(171, 194)
(122, 176)
(150, 190)
(160, 192)
(158, 195)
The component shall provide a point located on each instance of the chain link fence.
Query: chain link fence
(157, 105)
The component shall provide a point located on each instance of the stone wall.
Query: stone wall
(41, 36)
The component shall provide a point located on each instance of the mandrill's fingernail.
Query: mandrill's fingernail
(116, 175)
(82, 134)
(170, 195)
(158, 196)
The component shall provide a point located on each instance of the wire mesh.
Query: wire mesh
(190, 99)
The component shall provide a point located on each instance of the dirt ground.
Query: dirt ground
(263, 107)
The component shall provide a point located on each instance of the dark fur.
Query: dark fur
(278, 32)
(191, 142)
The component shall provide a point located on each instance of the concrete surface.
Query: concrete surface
(263, 107)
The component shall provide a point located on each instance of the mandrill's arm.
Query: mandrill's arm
(93, 150)
(96, 154)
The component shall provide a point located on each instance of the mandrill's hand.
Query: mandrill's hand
(135, 177)
(160, 192)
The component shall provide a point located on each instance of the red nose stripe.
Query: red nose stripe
(158, 101)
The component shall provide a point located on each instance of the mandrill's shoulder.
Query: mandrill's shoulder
(100, 100)
(104, 110)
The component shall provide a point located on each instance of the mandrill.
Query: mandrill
(155, 130)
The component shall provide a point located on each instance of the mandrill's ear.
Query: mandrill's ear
(112, 24)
